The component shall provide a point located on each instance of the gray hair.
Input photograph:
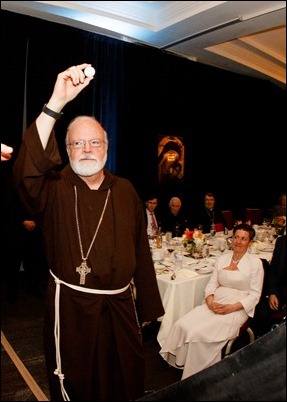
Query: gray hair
(79, 119)
(174, 199)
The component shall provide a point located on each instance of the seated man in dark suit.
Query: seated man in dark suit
(152, 216)
(208, 214)
(277, 276)
(174, 219)
(272, 307)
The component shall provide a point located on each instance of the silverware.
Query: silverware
(162, 263)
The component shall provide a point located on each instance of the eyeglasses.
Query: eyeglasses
(240, 238)
(80, 144)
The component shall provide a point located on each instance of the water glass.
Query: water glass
(178, 260)
(168, 237)
(205, 251)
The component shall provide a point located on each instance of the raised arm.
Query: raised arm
(68, 85)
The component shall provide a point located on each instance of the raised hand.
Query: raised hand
(68, 85)
(6, 152)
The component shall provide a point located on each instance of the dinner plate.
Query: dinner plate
(205, 270)
(267, 249)
(162, 270)
(162, 264)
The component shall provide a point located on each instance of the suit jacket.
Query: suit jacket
(277, 271)
(157, 217)
(203, 216)
(174, 223)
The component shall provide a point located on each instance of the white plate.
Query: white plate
(268, 249)
(205, 270)
(162, 264)
(160, 270)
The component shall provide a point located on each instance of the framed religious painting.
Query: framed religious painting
(170, 159)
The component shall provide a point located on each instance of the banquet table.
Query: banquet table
(186, 290)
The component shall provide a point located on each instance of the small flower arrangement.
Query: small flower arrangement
(279, 221)
(193, 237)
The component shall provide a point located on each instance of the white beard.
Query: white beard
(88, 168)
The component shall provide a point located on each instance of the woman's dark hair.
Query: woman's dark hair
(246, 228)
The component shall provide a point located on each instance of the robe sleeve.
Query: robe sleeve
(32, 166)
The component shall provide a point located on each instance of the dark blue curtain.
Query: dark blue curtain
(232, 125)
(49, 49)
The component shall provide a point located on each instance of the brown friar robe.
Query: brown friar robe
(100, 342)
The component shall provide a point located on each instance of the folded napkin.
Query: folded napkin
(187, 273)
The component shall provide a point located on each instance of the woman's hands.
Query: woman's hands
(219, 308)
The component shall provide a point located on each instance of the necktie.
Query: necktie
(153, 222)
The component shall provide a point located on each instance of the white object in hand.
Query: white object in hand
(89, 72)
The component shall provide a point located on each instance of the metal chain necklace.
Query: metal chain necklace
(83, 269)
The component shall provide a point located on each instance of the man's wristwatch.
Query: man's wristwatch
(51, 113)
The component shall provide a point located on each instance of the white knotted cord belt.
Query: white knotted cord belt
(58, 370)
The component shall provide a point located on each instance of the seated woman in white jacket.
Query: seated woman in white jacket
(196, 339)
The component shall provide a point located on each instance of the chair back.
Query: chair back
(228, 217)
(244, 329)
(218, 227)
(254, 215)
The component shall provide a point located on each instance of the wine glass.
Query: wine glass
(222, 245)
(170, 249)
(205, 252)
(212, 230)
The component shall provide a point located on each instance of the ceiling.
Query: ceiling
(246, 37)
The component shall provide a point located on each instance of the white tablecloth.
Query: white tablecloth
(179, 296)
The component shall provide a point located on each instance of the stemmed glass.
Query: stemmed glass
(170, 249)
(222, 246)
(205, 252)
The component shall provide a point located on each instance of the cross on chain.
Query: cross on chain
(83, 270)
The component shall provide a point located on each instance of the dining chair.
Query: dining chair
(244, 329)
(254, 215)
(228, 217)
(218, 227)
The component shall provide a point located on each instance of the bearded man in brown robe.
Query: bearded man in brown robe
(102, 287)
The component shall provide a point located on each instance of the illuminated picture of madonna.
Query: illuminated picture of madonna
(170, 160)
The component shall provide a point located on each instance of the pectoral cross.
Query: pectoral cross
(83, 270)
